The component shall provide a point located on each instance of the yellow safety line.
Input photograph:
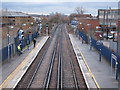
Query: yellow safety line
(90, 71)
(7, 80)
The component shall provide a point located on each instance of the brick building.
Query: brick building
(86, 22)
(18, 20)
(15, 18)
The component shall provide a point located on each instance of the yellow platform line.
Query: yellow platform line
(93, 77)
(10, 77)
(90, 70)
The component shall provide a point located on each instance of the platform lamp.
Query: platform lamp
(82, 25)
(8, 35)
(90, 25)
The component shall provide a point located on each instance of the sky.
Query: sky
(62, 6)
(60, 0)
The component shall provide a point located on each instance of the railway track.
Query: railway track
(28, 78)
(59, 75)
(50, 68)
(77, 77)
(56, 66)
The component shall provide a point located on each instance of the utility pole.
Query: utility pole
(8, 44)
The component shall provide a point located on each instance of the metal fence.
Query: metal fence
(106, 52)
(83, 36)
(5, 52)
(13, 46)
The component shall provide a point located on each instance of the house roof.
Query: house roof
(13, 14)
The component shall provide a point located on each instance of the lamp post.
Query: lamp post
(90, 25)
(100, 46)
(99, 42)
(82, 35)
(8, 35)
(82, 26)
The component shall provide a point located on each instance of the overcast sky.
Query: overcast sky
(60, 0)
(61, 6)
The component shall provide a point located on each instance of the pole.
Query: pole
(8, 45)
(116, 70)
(90, 36)
(46, 30)
(90, 44)
(100, 54)
(100, 43)
(82, 39)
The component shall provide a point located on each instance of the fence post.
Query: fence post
(116, 70)
(11, 51)
(111, 62)
(82, 39)
(90, 44)
(100, 54)
(8, 52)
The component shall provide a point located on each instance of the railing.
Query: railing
(106, 52)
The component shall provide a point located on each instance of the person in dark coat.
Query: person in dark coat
(34, 41)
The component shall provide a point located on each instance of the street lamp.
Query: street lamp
(90, 35)
(99, 31)
(82, 36)
(82, 26)
(8, 35)
(100, 44)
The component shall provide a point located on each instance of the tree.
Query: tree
(57, 18)
(80, 10)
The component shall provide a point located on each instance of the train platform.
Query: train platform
(13, 70)
(97, 74)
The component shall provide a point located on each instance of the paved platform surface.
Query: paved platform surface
(13, 70)
(102, 73)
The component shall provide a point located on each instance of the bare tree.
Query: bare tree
(80, 10)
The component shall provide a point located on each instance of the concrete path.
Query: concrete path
(104, 76)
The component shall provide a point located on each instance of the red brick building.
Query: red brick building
(86, 22)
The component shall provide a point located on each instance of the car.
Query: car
(110, 36)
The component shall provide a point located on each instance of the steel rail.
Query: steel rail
(71, 62)
(35, 72)
(50, 68)
(59, 79)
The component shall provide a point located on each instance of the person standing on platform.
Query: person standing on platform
(19, 50)
(34, 41)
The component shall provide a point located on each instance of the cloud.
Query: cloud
(62, 7)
